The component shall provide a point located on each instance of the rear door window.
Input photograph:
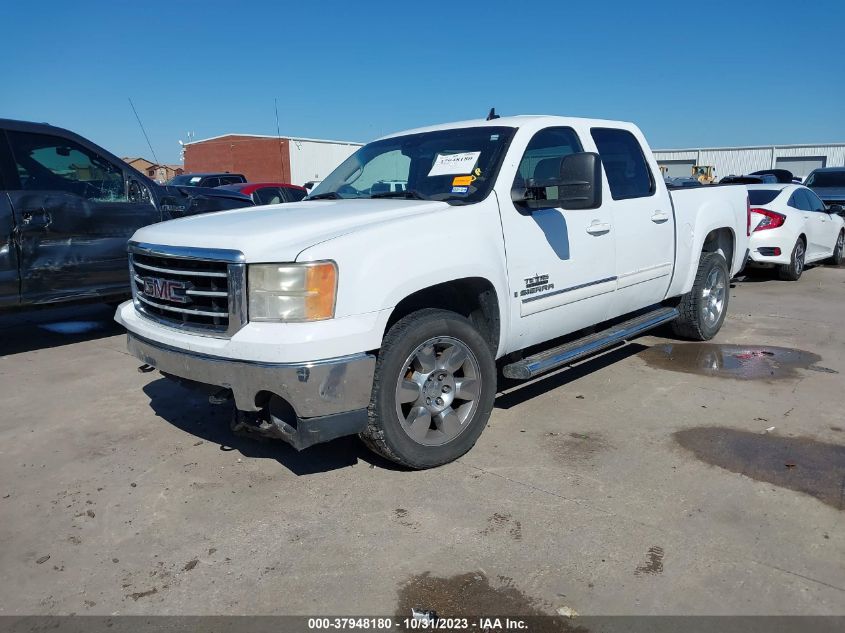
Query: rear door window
(803, 200)
(628, 173)
(814, 201)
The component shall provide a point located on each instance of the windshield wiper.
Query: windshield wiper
(328, 195)
(408, 194)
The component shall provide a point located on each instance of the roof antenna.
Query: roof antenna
(492, 115)
(150, 145)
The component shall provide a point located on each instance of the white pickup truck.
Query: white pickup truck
(389, 311)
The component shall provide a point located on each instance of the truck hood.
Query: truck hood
(279, 232)
(830, 193)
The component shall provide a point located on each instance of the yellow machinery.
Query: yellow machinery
(705, 174)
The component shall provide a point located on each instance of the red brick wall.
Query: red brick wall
(259, 159)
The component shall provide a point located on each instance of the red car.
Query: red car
(268, 192)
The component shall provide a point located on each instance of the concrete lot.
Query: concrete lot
(579, 494)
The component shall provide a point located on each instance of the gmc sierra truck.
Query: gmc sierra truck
(389, 313)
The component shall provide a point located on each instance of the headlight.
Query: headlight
(292, 292)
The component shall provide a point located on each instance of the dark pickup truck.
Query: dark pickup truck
(67, 209)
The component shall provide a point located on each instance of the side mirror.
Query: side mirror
(578, 185)
(838, 209)
(309, 185)
(137, 192)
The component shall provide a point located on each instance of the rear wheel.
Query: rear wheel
(836, 258)
(703, 309)
(433, 390)
(792, 271)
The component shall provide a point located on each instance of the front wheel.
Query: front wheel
(433, 391)
(792, 271)
(703, 309)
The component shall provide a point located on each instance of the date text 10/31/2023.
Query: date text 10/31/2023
(429, 622)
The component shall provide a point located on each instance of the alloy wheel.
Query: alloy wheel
(713, 296)
(438, 391)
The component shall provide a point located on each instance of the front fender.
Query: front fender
(381, 264)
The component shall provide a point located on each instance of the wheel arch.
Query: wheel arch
(721, 240)
(472, 297)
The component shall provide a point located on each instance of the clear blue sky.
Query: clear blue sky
(725, 73)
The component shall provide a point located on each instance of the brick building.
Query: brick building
(159, 173)
(267, 158)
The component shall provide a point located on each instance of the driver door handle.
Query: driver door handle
(36, 217)
(659, 217)
(598, 228)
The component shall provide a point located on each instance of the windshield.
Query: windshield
(458, 166)
(762, 196)
(185, 180)
(826, 179)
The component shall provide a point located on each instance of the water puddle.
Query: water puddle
(742, 362)
(72, 327)
(798, 463)
(472, 596)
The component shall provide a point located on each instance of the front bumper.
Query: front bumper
(329, 397)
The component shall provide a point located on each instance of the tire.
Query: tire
(417, 381)
(703, 309)
(837, 257)
(792, 271)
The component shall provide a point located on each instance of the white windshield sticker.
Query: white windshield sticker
(451, 164)
(196, 178)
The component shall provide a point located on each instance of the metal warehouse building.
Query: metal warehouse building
(268, 158)
(799, 159)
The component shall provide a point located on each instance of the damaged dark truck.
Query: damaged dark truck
(67, 210)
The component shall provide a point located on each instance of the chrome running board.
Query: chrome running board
(578, 349)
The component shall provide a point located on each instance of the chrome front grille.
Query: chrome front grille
(196, 289)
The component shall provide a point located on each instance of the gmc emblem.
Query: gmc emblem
(167, 289)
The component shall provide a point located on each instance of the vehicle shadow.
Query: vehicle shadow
(191, 412)
(760, 275)
(515, 392)
(32, 330)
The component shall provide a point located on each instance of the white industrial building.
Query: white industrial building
(799, 159)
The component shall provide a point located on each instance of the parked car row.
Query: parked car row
(792, 224)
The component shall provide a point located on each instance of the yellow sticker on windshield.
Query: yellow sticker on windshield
(462, 181)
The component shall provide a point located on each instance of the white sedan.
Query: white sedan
(792, 227)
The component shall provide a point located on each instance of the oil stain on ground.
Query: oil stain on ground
(742, 362)
(472, 596)
(500, 522)
(579, 448)
(654, 562)
(798, 463)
